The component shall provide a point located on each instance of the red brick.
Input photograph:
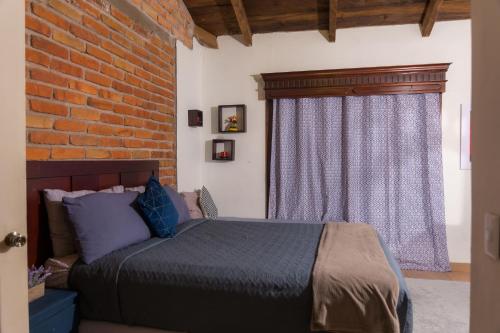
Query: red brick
(143, 74)
(111, 119)
(67, 153)
(112, 72)
(70, 97)
(109, 46)
(41, 11)
(68, 40)
(124, 88)
(37, 121)
(142, 94)
(48, 138)
(48, 107)
(132, 143)
(151, 144)
(37, 25)
(100, 103)
(135, 122)
(98, 79)
(133, 80)
(125, 109)
(83, 140)
(116, 13)
(36, 89)
(84, 34)
(121, 154)
(143, 134)
(89, 9)
(109, 95)
(65, 9)
(97, 154)
(66, 68)
(123, 132)
(96, 26)
(120, 40)
(85, 114)
(100, 129)
(113, 24)
(68, 125)
(37, 154)
(83, 87)
(140, 154)
(110, 142)
(99, 54)
(37, 57)
(80, 59)
(132, 100)
(151, 125)
(49, 47)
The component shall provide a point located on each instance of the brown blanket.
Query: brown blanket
(354, 288)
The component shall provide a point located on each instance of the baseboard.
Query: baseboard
(460, 267)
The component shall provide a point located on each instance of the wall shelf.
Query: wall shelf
(195, 118)
(232, 118)
(223, 150)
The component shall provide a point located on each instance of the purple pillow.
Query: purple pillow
(105, 222)
(179, 203)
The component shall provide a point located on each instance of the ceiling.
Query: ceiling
(218, 16)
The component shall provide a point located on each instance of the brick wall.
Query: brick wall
(100, 85)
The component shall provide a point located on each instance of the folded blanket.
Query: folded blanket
(354, 288)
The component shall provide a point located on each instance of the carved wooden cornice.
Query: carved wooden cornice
(415, 79)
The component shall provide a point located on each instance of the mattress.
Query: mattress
(214, 276)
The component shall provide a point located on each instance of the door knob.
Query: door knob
(15, 239)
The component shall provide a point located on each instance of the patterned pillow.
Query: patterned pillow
(207, 204)
(158, 210)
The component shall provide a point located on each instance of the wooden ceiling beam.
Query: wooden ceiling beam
(332, 23)
(430, 16)
(241, 16)
(205, 38)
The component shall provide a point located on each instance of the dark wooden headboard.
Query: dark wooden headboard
(73, 176)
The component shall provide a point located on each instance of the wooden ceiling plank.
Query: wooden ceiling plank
(332, 25)
(205, 38)
(430, 16)
(241, 16)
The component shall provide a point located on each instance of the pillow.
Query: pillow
(139, 189)
(105, 222)
(207, 204)
(61, 233)
(179, 203)
(158, 209)
(59, 269)
(191, 199)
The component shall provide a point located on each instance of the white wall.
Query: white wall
(189, 96)
(229, 77)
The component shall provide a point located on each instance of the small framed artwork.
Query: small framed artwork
(222, 150)
(465, 138)
(232, 118)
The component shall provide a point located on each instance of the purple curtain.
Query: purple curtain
(372, 159)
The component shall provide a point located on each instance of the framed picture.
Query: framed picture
(465, 138)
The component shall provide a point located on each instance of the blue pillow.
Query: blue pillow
(179, 203)
(158, 209)
(105, 222)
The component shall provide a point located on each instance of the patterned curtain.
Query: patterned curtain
(373, 159)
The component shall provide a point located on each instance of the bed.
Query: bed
(229, 275)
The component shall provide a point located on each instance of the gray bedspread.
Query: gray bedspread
(214, 276)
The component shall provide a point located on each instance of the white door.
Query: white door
(13, 260)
